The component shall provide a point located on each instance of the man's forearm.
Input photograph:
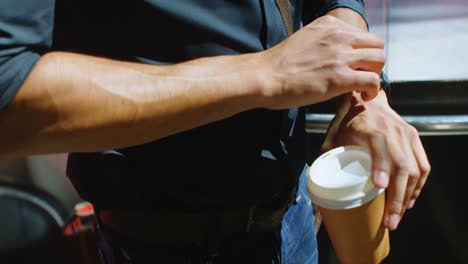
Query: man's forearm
(74, 102)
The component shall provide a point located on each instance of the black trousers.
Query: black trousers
(244, 248)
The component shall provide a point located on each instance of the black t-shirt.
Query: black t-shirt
(233, 162)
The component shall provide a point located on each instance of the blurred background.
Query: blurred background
(427, 50)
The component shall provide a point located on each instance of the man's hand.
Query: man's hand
(325, 59)
(399, 161)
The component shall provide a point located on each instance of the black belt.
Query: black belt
(182, 228)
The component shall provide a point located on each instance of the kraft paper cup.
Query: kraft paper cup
(352, 208)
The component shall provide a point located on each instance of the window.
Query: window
(427, 40)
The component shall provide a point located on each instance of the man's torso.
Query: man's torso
(234, 162)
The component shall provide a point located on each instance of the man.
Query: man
(175, 114)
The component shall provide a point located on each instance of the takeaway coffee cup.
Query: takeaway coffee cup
(352, 208)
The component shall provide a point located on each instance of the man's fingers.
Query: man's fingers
(366, 65)
(361, 39)
(396, 193)
(423, 164)
(413, 173)
(380, 164)
(368, 83)
(367, 59)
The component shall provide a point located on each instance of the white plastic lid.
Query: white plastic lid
(340, 179)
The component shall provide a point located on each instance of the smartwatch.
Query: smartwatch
(384, 83)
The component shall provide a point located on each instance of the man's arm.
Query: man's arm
(398, 157)
(73, 102)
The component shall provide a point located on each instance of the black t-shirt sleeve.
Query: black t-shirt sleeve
(25, 33)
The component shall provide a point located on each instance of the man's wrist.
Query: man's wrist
(268, 83)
